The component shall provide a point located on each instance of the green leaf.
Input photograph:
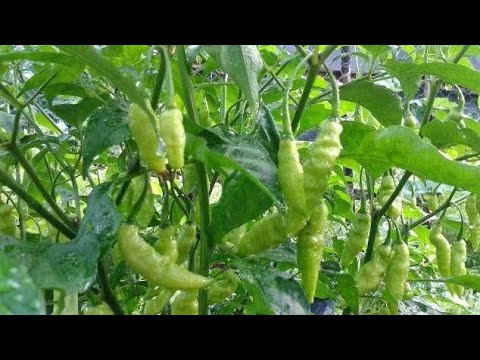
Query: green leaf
(444, 134)
(268, 133)
(18, 293)
(376, 50)
(63, 75)
(71, 266)
(353, 134)
(122, 80)
(408, 80)
(102, 219)
(285, 253)
(282, 294)
(343, 204)
(106, 127)
(346, 287)
(65, 88)
(323, 291)
(226, 214)
(75, 114)
(48, 57)
(242, 63)
(451, 73)
(314, 115)
(381, 102)
(391, 301)
(238, 152)
(398, 146)
(470, 281)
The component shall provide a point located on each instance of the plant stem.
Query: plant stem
(301, 50)
(108, 294)
(431, 99)
(16, 122)
(18, 189)
(169, 88)
(437, 84)
(187, 84)
(279, 83)
(223, 102)
(38, 183)
(460, 54)
(287, 126)
(311, 76)
(159, 81)
(202, 182)
(442, 207)
(377, 215)
(335, 101)
(21, 215)
(204, 222)
(264, 86)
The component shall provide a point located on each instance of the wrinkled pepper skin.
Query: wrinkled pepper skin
(223, 288)
(443, 253)
(166, 244)
(171, 128)
(387, 187)
(397, 272)
(157, 303)
(459, 257)
(266, 233)
(310, 249)
(145, 135)
(321, 158)
(291, 180)
(186, 303)
(474, 221)
(187, 236)
(7, 221)
(157, 269)
(370, 274)
(357, 239)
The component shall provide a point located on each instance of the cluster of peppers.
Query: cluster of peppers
(306, 214)
(163, 265)
(305, 217)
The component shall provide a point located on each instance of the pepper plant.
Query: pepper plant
(239, 179)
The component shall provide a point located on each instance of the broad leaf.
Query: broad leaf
(444, 134)
(381, 102)
(285, 253)
(314, 115)
(242, 63)
(398, 146)
(75, 114)
(18, 293)
(225, 213)
(237, 152)
(343, 205)
(106, 127)
(470, 281)
(377, 50)
(64, 76)
(346, 287)
(71, 266)
(281, 293)
(48, 57)
(268, 133)
(352, 134)
(87, 54)
(451, 73)
(102, 219)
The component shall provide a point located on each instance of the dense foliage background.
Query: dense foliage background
(71, 174)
